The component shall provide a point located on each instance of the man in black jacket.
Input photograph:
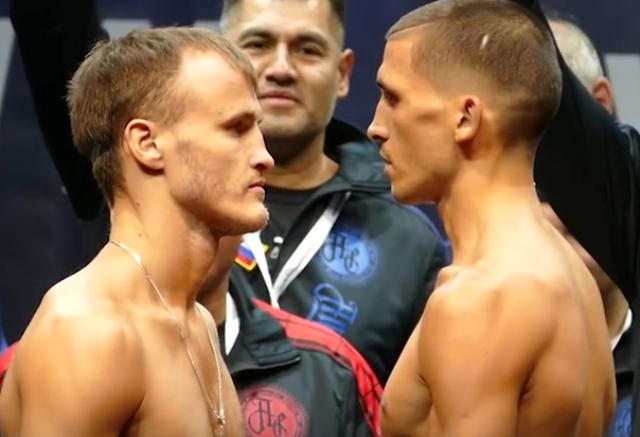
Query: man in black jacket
(339, 250)
(290, 373)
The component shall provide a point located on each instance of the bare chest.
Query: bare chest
(182, 389)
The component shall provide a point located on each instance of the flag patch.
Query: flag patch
(245, 257)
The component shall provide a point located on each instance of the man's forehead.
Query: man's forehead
(210, 74)
(237, 108)
(397, 72)
(260, 6)
(309, 3)
(399, 45)
(397, 57)
(203, 64)
(284, 16)
(226, 105)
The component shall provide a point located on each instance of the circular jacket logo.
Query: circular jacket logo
(349, 254)
(270, 411)
(621, 423)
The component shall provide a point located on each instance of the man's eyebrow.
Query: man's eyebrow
(235, 117)
(381, 84)
(302, 37)
(314, 37)
(257, 32)
(387, 92)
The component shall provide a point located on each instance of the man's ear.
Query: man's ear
(345, 67)
(602, 91)
(139, 139)
(469, 117)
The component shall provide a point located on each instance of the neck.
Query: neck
(487, 196)
(307, 167)
(214, 296)
(176, 250)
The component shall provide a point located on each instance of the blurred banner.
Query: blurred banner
(41, 241)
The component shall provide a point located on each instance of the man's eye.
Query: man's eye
(254, 45)
(310, 51)
(390, 98)
(241, 127)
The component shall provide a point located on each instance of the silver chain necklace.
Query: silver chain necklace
(216, 416)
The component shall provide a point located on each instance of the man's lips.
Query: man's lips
(258, 186)
(278, 95)
(384, 158)
(258, 183)
(387, 163)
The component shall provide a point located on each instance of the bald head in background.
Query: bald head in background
(582, 57)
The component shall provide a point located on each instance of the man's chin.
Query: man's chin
(258, 220)
(402, 199)
(282, 126)
(405, 196)
(252, 219)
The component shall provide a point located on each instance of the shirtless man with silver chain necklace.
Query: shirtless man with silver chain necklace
(169, 118)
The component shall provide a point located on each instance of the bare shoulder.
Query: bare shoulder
(482, 334)
(481, 304)
(76, 317)
(80, 353)
(82, 305)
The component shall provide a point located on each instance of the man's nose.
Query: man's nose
(377, 132)
(263, 160)
(377, 129)
(281, 68)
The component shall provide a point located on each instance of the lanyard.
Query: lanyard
(253, 242)
(302, 255)
(627, 324)
(231, 325)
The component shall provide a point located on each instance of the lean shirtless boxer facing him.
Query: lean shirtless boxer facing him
(169, 118)
(513, 341)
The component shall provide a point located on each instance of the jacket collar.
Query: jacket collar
(361, 167)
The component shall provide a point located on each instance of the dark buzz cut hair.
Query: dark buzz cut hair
(498, 41)
(337, 7)
(135, 77)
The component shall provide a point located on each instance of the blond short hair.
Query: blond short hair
(134, 77)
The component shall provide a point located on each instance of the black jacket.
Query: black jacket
(295, 374)
(370, 279)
